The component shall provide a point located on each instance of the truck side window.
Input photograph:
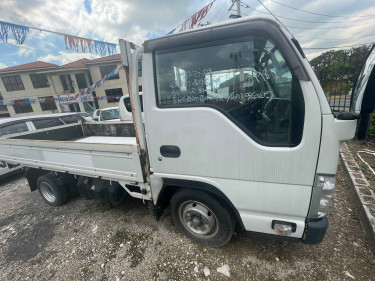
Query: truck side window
(70, 119)
(13, 128)
(47, 123)
(248, 81)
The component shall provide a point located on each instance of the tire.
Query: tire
(53, 192)
(201, 217)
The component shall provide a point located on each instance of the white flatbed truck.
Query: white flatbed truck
(236, 131)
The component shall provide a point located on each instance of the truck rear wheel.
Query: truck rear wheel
(201, 217)
(53, 192)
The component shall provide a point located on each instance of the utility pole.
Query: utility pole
(238, 9)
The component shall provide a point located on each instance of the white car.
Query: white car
(126, 113)
(6, 171)
(96, 114)
(30, 123)
(87, 116)
(110, 114)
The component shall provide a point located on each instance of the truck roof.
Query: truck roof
(150, 44)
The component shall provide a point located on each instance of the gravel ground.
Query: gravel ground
(87, 240)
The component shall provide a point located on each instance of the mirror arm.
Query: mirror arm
(348, 116)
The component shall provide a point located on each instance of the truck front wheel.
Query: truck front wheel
(53, 192)
(201, 217)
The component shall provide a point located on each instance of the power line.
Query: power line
(336, 27)
(298, 27)
(275, 17)
(222, 6)
(324, 15)
(337, 47)
(223, 16)
(339, 39)
(326, 22)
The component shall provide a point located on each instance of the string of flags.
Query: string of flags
(19, 32)
(194, 20)
(74, 43)
(83, 96)
(88, 45)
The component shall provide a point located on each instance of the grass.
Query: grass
(323, 275)
(84, 270)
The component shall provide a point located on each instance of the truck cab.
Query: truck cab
(235, 110)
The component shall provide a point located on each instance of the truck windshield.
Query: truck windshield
(110, 114)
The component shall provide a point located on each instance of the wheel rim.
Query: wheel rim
(47, 192)
(198, 219)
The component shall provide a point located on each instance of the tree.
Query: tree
(337, 70)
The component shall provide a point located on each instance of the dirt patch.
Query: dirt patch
(88, 240)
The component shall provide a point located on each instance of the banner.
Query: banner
(19, 32)
(74, 43)
(194, 20)
(87, 45)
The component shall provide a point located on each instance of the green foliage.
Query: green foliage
(337, 70)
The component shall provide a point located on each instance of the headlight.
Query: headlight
(321, 195)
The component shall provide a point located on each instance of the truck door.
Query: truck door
(232, 107)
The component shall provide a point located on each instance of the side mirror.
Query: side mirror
(363, 93)
(348, 116)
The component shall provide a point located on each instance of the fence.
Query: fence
(337, 72)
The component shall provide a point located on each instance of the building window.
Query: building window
(13, 83)
(106, 69)
(113, 95)
(47, 103)
(139, 69)
(67, 86)
(21, 107)
(2, 107)
(81, 81)
(39, 81)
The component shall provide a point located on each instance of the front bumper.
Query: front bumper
(315, 231)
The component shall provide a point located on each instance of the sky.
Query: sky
(316, 24)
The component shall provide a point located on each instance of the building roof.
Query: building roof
(37, 65)
(76, 64)
(44, 67)
(106, 59)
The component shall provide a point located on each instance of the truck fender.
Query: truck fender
(172, 185)
(32, 175)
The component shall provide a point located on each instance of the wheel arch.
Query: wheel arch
(171, 186)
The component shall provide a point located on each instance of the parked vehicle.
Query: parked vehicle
(126, 112)
(9, 170)
(96, 114)
(236, 131)
(31, 123)
(86, 116)
(110, 114)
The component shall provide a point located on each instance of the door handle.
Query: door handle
(171, 151)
